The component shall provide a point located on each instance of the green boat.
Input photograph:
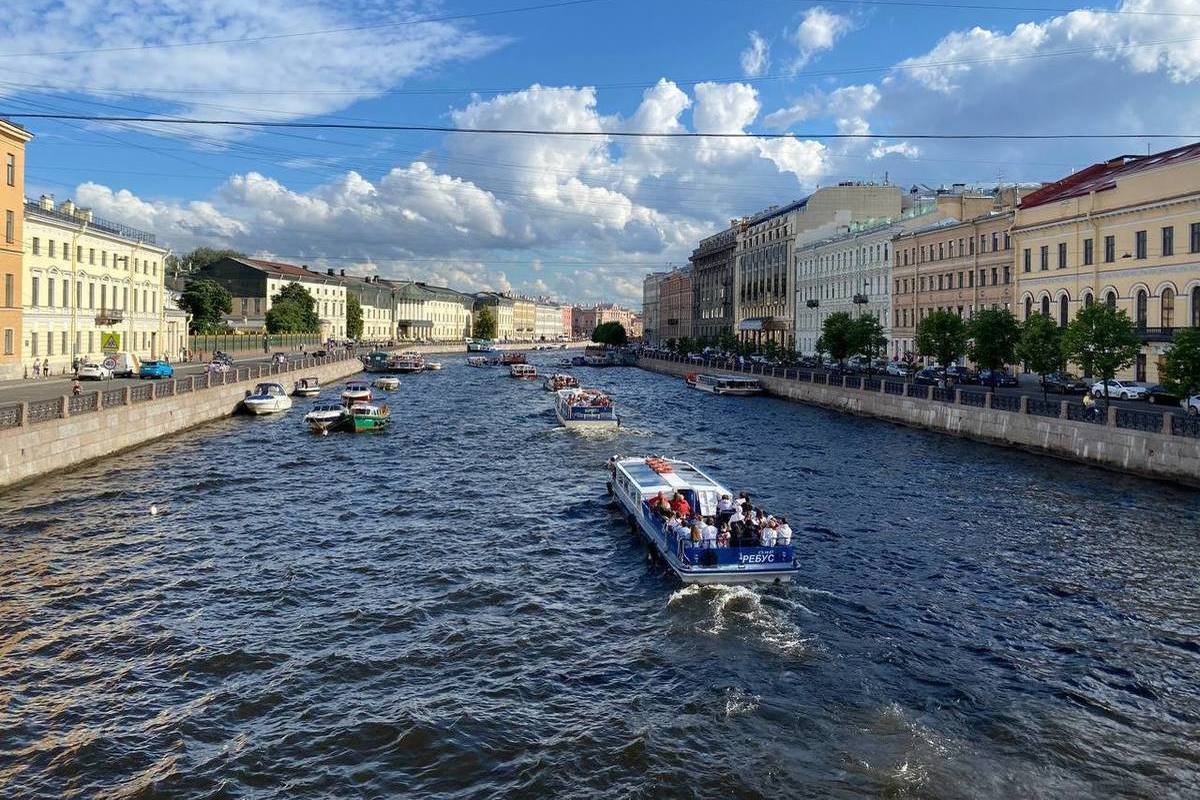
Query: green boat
(370, 417)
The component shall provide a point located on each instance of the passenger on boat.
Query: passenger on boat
(709, 534)
(680, 506)
(723, 536)
(737, 523)
(660, 505)
(767, 535)
(697, 534)
(783, 534)
(724, 509)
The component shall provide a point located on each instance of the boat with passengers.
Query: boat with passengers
(559, 381)
(723, 384)
(407, 363)
(635, 482)
(523, 372)
(585, 408)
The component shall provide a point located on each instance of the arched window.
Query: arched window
(1110, 299)
(1063, 309)
(1168, 308)
(1046, 306)
(1029, 306)
(1196, 307)
(1141, 308)
(1088, 300)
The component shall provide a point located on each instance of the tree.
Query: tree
(354, 316)
(837, 336)
(1181, 363)
(943, 335)
(1040, 347)
(293, 310)
(771, 350)
(994, 335)
(727, 341)
(867, 337)
(610, 333)
(1102, 338)
(196, 260)
(686, 345)
(485, 324)
(672, 345)
(206, 301)
(820, 350)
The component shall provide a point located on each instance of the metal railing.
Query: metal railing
(43, 410)
(1006, 402)
(1150, 421)
(1077, 412)
(10, 416)
(942, 395)
(1185, 426)
(1041, 408)
(113, 397)
(893, 387)
(976, 399)
(83, 403)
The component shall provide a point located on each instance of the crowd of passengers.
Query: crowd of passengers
(737, 523)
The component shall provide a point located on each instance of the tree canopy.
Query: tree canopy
(838, 336)
(994, 333)
(293, 310)
(197, 259)
(354, 316)
(867, 337)
(942, 335)
(1040, 346)
(485, 324)
(610, 333)
(1181, 363)
(1102, 340)
(206, 301)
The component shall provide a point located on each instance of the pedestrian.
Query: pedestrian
(76, 389)
(37, 367)
(46, 368)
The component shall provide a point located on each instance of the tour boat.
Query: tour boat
(433, 365)
(307, 387)
(407, 362)
(723, 384)
(585, 408)
(325, 417)
(636, 481)
(524, 372)
(480, 346)
(376, 361)
(387, 383)
(597, 356)
(560, 380)
(508, 359)
(477, 361)
(267, 398)
(369, 417)
(357, 391)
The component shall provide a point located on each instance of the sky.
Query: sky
(578, 218)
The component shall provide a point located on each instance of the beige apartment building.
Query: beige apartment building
(524, 318)
(1125, 232)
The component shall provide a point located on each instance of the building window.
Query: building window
(10, 225)
(1046, 306)
(8, 290)
(1088, 254)
(33, 344)
(1062, 255)
(91, 301)
(1110, 249)
(1141, 308)
(1028, 307)
(1139, 244)
(1063, 310)
(1194, 244)
(971, 246)
(8, 341)
(1168, 240)
(91, 255)
(50, 248)
(49, 343)
(1110, 299)
(10, 169)
(1044, 257)
(1088, 300)
(33, 291)
(50, 292)
(37, 246)
(1168, 308)
(1028, 257)
(63, 343)
(66, 293)
(1196, 307)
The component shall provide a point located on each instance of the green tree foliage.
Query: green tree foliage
(686, 345)
(672, 345)
(868, 338)
(206, 301)
(994, 335)
(293, 310)
(837, 336)
(1102, 339)
(942, 335)
(485, 324)
(1181, 363)
(1040, 346)
(610, 333)
(196, 260)
(354, 316)
(727, 341)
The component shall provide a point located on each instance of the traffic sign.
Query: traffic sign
(110, 342)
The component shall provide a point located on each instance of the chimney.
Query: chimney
(343, 273)
(84, 214)
(67, 207)
(46, 202)
(330, 271)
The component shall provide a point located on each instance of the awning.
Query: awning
(762, 324)
(414, 323)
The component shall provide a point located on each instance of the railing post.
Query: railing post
(1112, 417)
(64, 407)
(958, 397)
(153, 392)
(1062, 409)
(192, 383)
(99, 400)
(125, 397)
(23, 415)
(1024, 407)
(987, 400)
(883, 385)
(845, 381)
(1168, 429)
(929, 393)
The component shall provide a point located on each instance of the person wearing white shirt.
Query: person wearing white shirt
(783, 534)
(725, 504)
(767, 536)
(710, 535)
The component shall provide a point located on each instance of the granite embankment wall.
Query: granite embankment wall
(1171, 452)
(53, 435)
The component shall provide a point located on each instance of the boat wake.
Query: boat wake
(739, 611)
(738, 702)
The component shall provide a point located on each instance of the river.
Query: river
(453, 609)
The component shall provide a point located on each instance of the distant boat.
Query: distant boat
(480, 346)
(524, 372)
(357, 392)
(508, 359)
(407, 362)
(477, 361)
(723, 384)
(307, 387)
(585, 408)
(267, 398)
(433, 365)
(386, 382)
(559, 381)
(370, 417)
(325, 417)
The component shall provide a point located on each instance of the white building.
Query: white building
(429, 312)
(549, 324)
(253, 284)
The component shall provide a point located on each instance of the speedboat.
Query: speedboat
(307, 387)
(524, 372)
(407, 363)
(723, 384)
(559, 381)
(433, 365)
(267, 398)
(585, 408)
(477, 361)
(325, 417)
(565, 362)
(369, 416)
(387, 383)
(636, 481)
(357, 391)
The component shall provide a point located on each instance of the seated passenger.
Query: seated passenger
(680, 505)
(766, 537)
(723, 536)
(659, 504)
(783, 534)
(697, 534)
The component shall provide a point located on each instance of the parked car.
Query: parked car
(1193, 405)
(1125, 390)
(1000, 376)
(897, 368)
(1064, 383)
(929, 377)
(156, 369)
(279, 358)
(960, 374)
(122, 365)
(93, 372)
(1157, 394)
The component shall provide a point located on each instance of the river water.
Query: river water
(453, 609)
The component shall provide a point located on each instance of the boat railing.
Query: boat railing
(697, 555)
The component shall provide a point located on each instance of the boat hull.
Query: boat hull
(362, 424)
(260, 408)
(306, 392)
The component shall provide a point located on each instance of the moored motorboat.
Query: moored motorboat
(585, 408)
(480, 346)
(267, 398)
(524, 372)
(356, 392)
(433, 365)
(559, 381)
(307, 387)
(386, 382)
(723, 384)
(326, 417)
(635, 482)
(369, 416)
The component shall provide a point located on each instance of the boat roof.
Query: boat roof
(682, 476)
(709, 377)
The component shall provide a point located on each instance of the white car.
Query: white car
(1125, 390)
(898, 369)
(93, 372)
(1192, 404)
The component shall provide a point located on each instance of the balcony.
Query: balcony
(813, 303)
(1155, 334)
(110, 316)
(860, 299)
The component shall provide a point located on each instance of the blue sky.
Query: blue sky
(578, 218)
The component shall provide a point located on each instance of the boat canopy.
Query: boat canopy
(681, 476)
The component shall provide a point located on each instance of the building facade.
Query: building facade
(712, 283)
(524, 318)
(651, 291)
(378, 308)
(90, 287)
(1124, 232)
(12, 201)
(435, 313)
(675, 305)
(254, 283)
(501, 308)
(548, 326)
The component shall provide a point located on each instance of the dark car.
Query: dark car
(1063, 383)
(1160, 396)
(929, 377)
(839, 370)
(1001, 377)
(961, 374)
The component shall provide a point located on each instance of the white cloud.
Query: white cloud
(756, 57)
(803, 109)
(817, 32)
(905, 149)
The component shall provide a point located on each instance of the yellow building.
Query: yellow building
(524, 318)
(90, 287)
(1125, 232)
(12, 199)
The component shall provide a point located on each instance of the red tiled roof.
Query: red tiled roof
(286, 269)
(1103, 176)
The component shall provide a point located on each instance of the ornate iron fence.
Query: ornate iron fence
(1006, 402)
(871, 383)
(83, 403)
(893, 387)
(10, 416)
(1150, 421)
(141, 393)
(182, 385)
(114, 397)
(943, 395)
(1185, 426)
(1041, 408)
(976, 399)
(42, 410)
(1077, 412)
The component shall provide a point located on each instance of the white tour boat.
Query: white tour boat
(637, 481)
(723, 384)
(325, 417)
(477, 361)
(525, 372)
(559, 381)
(387, 383)
(267, 398)
(357, 392)
(407, 362)
(585, 408)
(307, 387)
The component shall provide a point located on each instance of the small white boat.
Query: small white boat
(433, 365)
(307, 387)
(477, 361)
(723, 384)
(357, 392)
(267, 398)
(524, 372)
(585, 408)
(325, 417)
(559, 381)
(387, 383)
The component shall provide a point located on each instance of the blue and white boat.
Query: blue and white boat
(636, 481)
(585, 408)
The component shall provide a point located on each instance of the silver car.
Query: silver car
(93, 372)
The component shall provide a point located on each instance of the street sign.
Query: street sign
(110, 342)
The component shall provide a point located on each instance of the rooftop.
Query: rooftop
(93, 222)
(1103, 176)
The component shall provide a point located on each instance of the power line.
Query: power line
(1004, 9)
